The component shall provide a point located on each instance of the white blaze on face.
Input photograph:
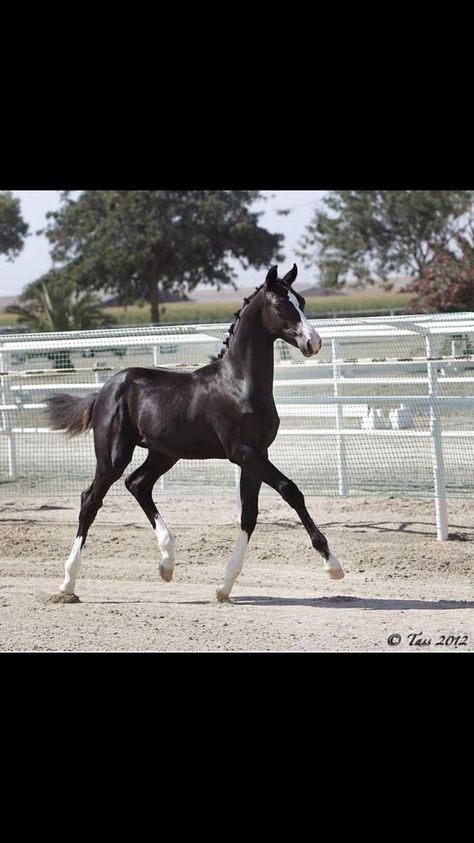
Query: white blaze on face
(307, 332)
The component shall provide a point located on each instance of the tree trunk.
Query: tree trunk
(154, 302)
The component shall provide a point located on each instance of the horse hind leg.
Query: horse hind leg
(108, 470)
(140, 484)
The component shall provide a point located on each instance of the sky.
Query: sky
(35, 260)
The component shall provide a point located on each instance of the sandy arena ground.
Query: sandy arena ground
(399, 579)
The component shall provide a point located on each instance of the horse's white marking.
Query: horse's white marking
(333, 567)
(234, 566)
(72, 568)
(166, 545)
(308, 334)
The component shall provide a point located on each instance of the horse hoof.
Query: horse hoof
(222, 596)
(63, 598)
(166, 574)
(335, 573)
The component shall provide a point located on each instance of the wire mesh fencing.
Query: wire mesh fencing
(386, 408)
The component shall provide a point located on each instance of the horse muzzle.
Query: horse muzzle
(310, 347)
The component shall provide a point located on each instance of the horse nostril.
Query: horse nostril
(313, 346)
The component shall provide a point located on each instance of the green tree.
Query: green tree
(137, 243)
(13, 228)
(361, 235)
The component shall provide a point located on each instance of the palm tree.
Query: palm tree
(47, 305)
(53, 303)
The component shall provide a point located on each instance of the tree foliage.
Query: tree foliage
(447, 284)
(363, 235)
(53, 304)
(137, 243)
(13, 228)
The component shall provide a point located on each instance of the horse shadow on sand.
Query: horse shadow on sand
(346, 602)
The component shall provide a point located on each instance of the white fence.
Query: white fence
(386, 407)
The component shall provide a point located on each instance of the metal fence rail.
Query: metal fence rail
(387, 407)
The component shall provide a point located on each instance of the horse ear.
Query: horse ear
(272, 276)
(291, 276)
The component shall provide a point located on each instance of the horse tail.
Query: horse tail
(70, 414)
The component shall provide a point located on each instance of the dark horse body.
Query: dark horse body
(222, 411)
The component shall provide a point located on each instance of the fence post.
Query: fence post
(6, 424)
(341, 445)
(436, 444)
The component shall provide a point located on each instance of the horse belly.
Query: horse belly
(185, 441)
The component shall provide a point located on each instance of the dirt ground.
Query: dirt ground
(400, 581)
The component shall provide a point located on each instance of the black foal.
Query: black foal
(222, 411)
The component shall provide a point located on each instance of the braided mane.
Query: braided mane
(237, 316)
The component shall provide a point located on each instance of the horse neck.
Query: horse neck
(250, 352)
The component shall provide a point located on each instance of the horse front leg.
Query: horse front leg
(140, 484)
(256, 464)
(249, 489)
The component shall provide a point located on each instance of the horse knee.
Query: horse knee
(138, 487)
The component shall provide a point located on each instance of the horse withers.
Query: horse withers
(224, 410)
